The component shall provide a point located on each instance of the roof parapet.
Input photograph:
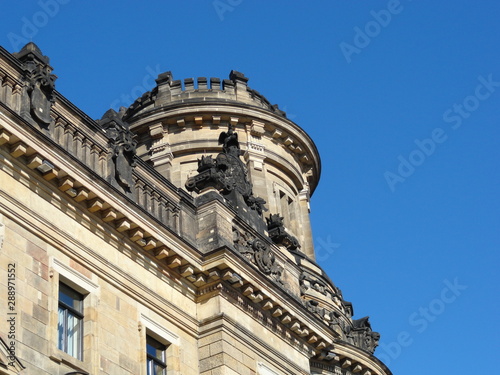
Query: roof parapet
(169, 91)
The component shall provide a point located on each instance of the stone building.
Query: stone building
(172, 237)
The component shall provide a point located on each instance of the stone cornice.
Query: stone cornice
(127, 218)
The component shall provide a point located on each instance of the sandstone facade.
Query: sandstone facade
(153, 219)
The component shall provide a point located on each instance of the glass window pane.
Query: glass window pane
(155, 357)
(155, 349)
(70, 322)
(60, 329)
(74, 335)
(158, 370)
(70, 297)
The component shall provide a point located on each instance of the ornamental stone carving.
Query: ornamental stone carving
(320, 285)
(226, 173)
(362, 336)
(123, 149)
(258, 253)
(278, 233)
(38, 96)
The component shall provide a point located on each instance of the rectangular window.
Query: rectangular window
(156, 357)
(70, 321)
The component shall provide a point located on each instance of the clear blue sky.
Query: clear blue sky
(402, 99)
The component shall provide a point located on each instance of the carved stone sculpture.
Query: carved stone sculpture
(40, 84)
(258, 253)
(226, 173)
(278, 233)
(123, 146)
(362, 336)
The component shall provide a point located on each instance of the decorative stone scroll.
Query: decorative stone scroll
(226, 173)
(123, 146)
(258, 253)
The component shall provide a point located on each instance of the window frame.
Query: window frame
(77, 313)
(152, 360)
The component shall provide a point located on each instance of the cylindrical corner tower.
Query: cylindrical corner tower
(179, 122)
(182, 127)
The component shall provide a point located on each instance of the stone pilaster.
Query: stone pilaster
(304, 209)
